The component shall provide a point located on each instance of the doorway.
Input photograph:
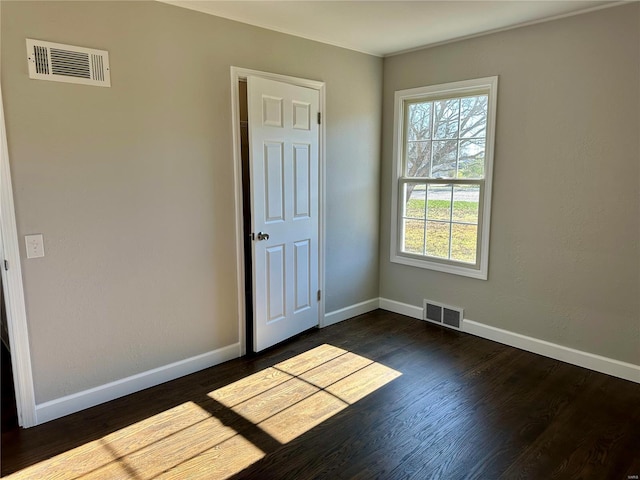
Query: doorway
(278, 154)
(13, 292)
(246, 211)
(9, 422)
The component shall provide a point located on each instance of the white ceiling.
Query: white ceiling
(386, 27)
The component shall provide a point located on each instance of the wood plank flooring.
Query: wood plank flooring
(378, 396)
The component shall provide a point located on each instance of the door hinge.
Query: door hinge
(319, 118)
(6, 265)
(319, 295)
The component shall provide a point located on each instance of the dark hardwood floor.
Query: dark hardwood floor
(378, 396)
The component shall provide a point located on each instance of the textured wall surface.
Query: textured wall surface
(132, 186)
(564, 262)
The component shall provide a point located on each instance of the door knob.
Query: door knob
(262, 236)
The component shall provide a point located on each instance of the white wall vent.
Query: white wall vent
(443, 314)
(65, 63)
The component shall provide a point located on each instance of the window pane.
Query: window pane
(413, 236)
(471, 159)
(439, 202)
(441, 163)
(464, 239)
(438, 239)
(418, 156)
(444, 159)
(414, 195)
(446, 114)
(466, 199)
(473, 116)
(419, 121)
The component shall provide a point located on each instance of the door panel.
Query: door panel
(302, 185)
(272, 111)
(302, 259)
(301, 116)
(274, 181)
(284, 152)
(276, 283)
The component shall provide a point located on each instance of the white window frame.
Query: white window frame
(479, 270)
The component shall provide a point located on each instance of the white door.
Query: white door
(284, 151)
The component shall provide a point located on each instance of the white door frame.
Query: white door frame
(13, 290)
(238, 74)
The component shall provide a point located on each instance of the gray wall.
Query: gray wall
(132, 186)
(564, 260)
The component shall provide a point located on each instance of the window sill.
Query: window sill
(480, 274)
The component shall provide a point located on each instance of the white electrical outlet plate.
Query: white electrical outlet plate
(34, 245)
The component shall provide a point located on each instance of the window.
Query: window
(443, 165)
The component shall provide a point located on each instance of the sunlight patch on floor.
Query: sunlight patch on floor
(310, 359)
(222, 461)
(301, 417)
(290, 398)
(142, 450)
(362, 382)
(250, 386)
(221, 434)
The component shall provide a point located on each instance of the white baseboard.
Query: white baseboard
(401, 308)
(350, 311)
(615, 368)
(88, 398)
(94, 396)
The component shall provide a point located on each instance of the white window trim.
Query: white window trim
(453, 89)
